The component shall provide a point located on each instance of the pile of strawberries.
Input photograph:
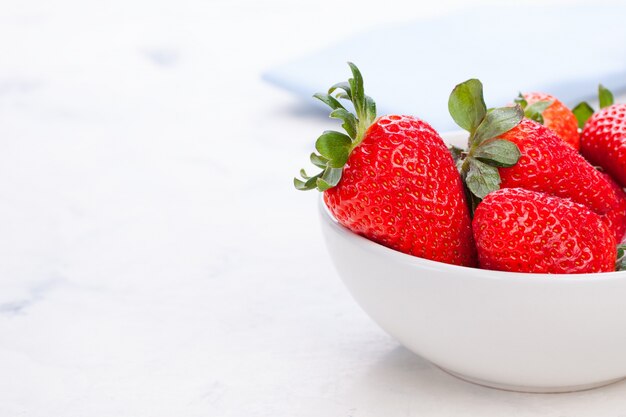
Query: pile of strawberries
(530, 193)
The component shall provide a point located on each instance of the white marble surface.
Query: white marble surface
(155, 260)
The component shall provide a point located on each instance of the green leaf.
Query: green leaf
(322, 185)
(329, 178)
(605, 96)
(332, 175)
(300, 185)
(537, 107)
(309, 184)
(583, 112)
(498, 121)
(349, 120)
(620, 264)
(537, 117)
(335, 147)
(535, 110)
(364, 106)
(498, 153)
(482, 179)
(345, 86)
(318, 160)
(467, 105)
(521, 100)
(370, 110)
(329, 100)
(326, 179)
(358, 92)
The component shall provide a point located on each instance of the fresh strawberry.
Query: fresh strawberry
(525, 155)
(553, 114)
(603, 140)
(392, 180)
(525, 231)
(548, 165)
(616, 218)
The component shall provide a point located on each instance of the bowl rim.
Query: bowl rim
(401, 257)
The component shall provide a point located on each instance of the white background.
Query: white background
(154, 258)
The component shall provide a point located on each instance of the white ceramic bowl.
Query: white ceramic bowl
(521, 332)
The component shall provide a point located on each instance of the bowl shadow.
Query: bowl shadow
(401, 380)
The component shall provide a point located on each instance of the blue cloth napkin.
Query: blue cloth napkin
(411, 68)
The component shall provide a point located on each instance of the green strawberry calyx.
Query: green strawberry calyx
(620, 263)
(486, 151)
(535, 110)
(583, 111)
(334, 147)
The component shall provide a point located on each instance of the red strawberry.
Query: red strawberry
(603, 141)
(525, 231)
(548, 165)
(553, 114)
(616, 218)
(392, 180)
(508, 151)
